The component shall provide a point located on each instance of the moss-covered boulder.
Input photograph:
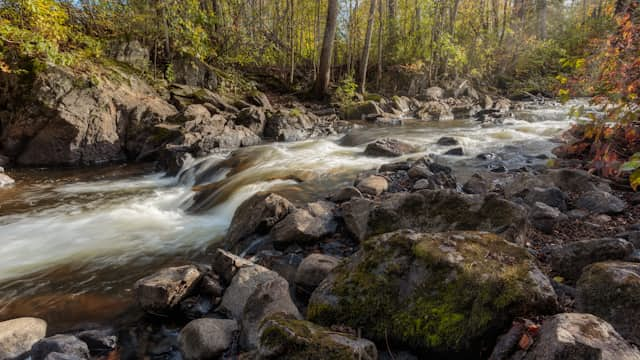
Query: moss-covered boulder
(285, 338)
(434, 293)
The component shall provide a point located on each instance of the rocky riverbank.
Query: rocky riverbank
(405, 263)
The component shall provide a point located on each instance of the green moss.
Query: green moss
(373, 97)
(295, 112)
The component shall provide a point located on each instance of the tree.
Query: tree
(326, 54)
(364, 62)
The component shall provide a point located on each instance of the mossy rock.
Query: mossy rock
(361, 110)
(438, 293)
(285, 338)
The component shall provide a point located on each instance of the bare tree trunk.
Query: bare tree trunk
(364, 62)
(380, 27)
(324, 75)
(293, 45)
(542, 19)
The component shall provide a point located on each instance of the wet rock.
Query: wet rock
(195, 307)
(18, 335)
(420, 171)
(568, 260)
(346, 194)
(434, 111)
(434, 93)
(285, 338)
(423, 184)
(573, 336)
(226, 265)
(544, 217)
(486, 156)
(257, 215)
(285, 263)
(269, 298)
(160, 292)
(455, 152)
(486, 102)
(394, 167)
(253, 118)
(99, 341)
(373, 185)
(389, 148)
(211, 285)
(611, 291)
(244, 283)
(476, 185)
(64, 344)
(400, 103)
(60, 356)
(600, 202)
(305, 225)
(362, 111)
(313, 269)
(448, 141)
(444, 279)
(289, 125)
(5, 180)
(435, 210)
(206, 338)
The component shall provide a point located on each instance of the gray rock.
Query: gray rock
(448, 141)
(400, 103)
(269, 298)
(476, 185)
(573, 336)
(544, 217)
(99, 341)
(226, 264)
(455, 152)
(423, 184)
(551, 196)
(64, 344)
(600, 202)
(362, 111)
(253, 118)
(258, 98)
(434, 111)
(61, 356)
(313, 269)
(434, 93)
(346, 194)
(305, 225)
(132, 53)
(373, 185)
(611, 291)
(206, 338)
(389, 148)
(394, 167)
(160, 292)
(244, 283)
(18, 335)
(289, 125)
(568, 260)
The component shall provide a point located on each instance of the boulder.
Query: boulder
(244, 283)
(476, 185)
(455, 152)
(611, 291)
(99, 341)
(568, 260)
(289, 125)
(270, 298)
(400, 103)
(305, 225)
(206, 338)
(132, 53)
(601, 202)
(389, 148)
(313, 269)
(362, 111)
(252, 118)
(160, 292)
(448, 141)
(257, 215)
(63, 344)
(18, 335)
(544, 217)
(573, 336)
(346, 194)
(286, 338)
(61, 356)
(435, 210)
(194, 72)
(259, 99)
(434, 93)
(434, 111)
(373, 185)
(462, 286)
(551, 196)
(575, 180)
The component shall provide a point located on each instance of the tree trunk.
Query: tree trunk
(542, 19)
(292, 42)
(364, 62)
(380, 27)
(324, 75)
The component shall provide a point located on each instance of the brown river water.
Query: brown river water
(73, 242)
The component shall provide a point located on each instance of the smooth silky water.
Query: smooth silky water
(73, 242)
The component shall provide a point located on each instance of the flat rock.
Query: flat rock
(206, 338)
(568, 260)
(455, 152)
(601, 202)
(389, 148)
(18, 335)
(373, 185)
(544, 217)
(160, 292)
(346, 194)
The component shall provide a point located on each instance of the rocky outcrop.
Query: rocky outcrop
(18, 335)
(433, 292)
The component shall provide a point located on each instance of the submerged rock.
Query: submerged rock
(160, 292)
(64, 344)
(446, 293)
(389, 147)
(286, 338)
(206, 338)
(572, 336)
(568, 260)
(18, 335)
(448, 141)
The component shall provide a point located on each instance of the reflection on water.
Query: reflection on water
(73, 242)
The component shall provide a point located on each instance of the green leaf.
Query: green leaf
(634, 179)
(630, 165)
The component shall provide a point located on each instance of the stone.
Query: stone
(395, 167)
(434, 111)
(289, 125)
(346, 194)
(455, 152)
(476, 185)
(422, 184)
(443, 279)
(434, 93)
(611, 291)
(286, 338)
(99, 341)
(568, 260)
(5, 180)
(192, 71)
(257, 215)
(160, 292)
(600, 202)
(313, 269)
(373, 185)
(64, 344)
(551, 196)
(389, 148)
(305, 225)
(132, 53)
(575, 180)
(544, 217)
(486, 102)
(448, 141)
(243, 284)
(362, 111)
(61, 356)
(206, 338)
(18, 335)
(253, 118)
(258, 98)
(400, 103)
(270, 298)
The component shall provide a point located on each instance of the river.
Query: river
(73, 242)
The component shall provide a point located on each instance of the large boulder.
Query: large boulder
(568, 260)
(18, 335)
(434, 93)
(545, 218)
(286, 338)
(305, 225)
(253, 118)
(435, 210)
(206, 338)
(257, 215)
(194, 72)
(611, 291)
(362, 111)
(313, 269)
(289, 125)
(160, 292)
(447, 293)
(573, 336)
(434, 111)
(64, 344)
(389, 148)
(243, 284)
(130, 52)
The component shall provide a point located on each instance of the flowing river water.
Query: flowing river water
(73, 242)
